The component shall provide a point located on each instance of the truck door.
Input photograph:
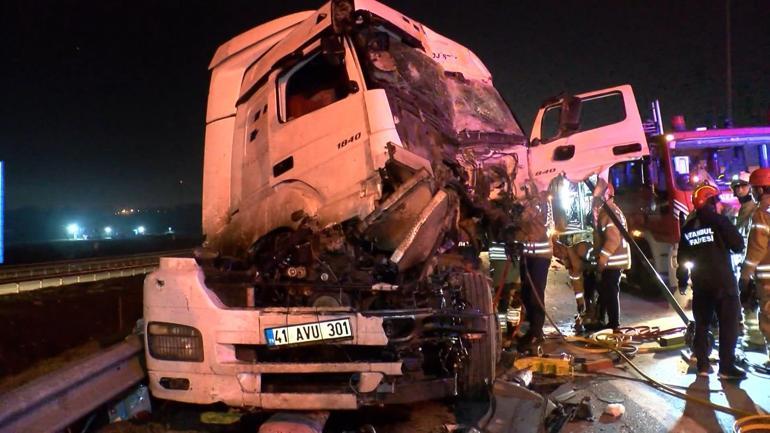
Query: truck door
(319, 132)
(585, 134)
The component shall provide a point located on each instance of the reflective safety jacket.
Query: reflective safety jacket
(704, 253)
(757, 260)
(536, 227)
(743, 219)
(743, 224)
(613, 252)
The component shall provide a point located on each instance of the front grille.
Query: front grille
(320, 353)
(308, 383)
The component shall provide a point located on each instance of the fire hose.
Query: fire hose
(752, 423)
(690, 325)
(606, 346)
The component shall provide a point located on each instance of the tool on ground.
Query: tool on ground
(556, 366)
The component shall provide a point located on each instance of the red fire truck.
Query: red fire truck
(655, 192)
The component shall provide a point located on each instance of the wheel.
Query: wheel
(477, 374)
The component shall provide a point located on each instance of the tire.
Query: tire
(478, 372)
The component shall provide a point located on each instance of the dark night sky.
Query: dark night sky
(103, 101)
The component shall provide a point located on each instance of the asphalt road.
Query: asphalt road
(649, 410)
(40, 330)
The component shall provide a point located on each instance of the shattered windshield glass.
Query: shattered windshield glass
(479, 107)
(420, 90)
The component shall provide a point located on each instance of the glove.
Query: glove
(601, 262)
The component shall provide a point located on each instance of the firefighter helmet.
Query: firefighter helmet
(760, 177)
(702, 194)
(740, 179)
(603, 189)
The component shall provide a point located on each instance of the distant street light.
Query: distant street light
(74, 230)
(139, 230)
(108, 231)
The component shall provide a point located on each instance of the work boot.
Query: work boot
(705, 370)
(753, 337)
(578, 324)
(529, 343)
(732, 373)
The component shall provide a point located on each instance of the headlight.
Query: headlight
(172, 342)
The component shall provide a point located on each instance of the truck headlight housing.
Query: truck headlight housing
(172, 342)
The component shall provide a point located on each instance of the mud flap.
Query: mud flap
(514, 409)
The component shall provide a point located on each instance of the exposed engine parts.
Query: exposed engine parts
(357, 165)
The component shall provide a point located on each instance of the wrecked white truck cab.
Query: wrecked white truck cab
(356, 164)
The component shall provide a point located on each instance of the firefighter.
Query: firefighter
(576, 260)
(576, 256)
(757, 262)
(534, 236)
(704, 257)
(507, 284)
(742, 191)
(612, 252)
(750, 324)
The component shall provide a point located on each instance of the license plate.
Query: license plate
(314, 332)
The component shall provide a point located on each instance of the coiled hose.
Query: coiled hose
(616, 345)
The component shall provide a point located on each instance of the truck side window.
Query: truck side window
(595, 112)
(602, 110)
(313, 84)
(550, 124)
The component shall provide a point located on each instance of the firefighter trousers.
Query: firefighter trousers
(752, 335)
(763, 294)
(728, 310)
(594, 312)
(537, 268)
(609, 296)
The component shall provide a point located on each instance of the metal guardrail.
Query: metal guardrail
(15, 273)
(25, 278)
(27, 286)
(54, 401)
